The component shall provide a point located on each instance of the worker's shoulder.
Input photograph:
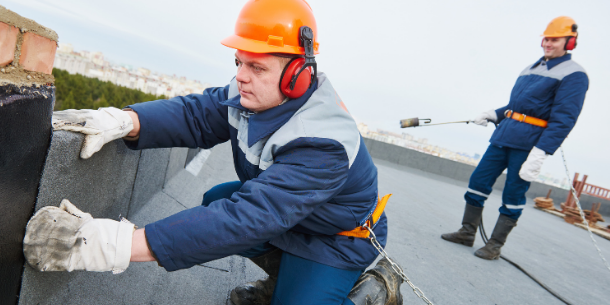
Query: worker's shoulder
(324, 114)
(566, 68)
(323, 117)
(557, 72)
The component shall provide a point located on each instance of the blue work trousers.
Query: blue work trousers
(493, 163)
(300, 281)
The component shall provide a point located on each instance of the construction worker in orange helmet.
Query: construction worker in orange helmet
(543, 108)
(307, 184)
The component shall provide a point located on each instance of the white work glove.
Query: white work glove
(483, 118)
(100, 126)
(66, 239)
(531, 167)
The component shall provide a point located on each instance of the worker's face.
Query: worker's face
(258, 80)
(553, 47)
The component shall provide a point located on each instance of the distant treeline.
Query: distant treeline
(74, 91)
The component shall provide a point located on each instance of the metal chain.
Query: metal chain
(582, 214)
(395, 266)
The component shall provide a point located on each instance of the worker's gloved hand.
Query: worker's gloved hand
(483, 118)
(66, 239)
(532, 166)
(100, 126)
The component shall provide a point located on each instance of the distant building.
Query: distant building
(93, 64)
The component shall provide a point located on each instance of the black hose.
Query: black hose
(551, 291)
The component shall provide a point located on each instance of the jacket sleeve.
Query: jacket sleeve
(569, 99)
(195, 120)
(500, 114)
(500, 111)
(306, 173)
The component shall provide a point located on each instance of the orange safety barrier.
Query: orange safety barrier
(525, 119)
(362, 232)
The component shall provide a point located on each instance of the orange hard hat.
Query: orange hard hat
(272, 26)
(561, 27)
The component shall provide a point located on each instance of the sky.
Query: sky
(388, 60)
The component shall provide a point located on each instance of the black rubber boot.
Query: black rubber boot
(261, 291)
(470, 222)
(378, 286)
(492, 249)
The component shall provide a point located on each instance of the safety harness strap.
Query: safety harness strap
(362, 232)
(525, 119)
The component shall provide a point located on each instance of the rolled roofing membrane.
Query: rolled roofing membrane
(27, 95)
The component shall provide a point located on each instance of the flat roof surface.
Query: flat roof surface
(423, 206)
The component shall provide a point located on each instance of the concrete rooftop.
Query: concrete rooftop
(423, 206)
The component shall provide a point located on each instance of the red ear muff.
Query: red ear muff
(570, 43)
(302, 82)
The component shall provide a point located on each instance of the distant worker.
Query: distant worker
(307, 188)
(543, 108)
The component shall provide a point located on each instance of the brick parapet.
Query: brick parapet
(27, 50)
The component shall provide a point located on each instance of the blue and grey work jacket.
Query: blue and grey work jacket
(551, 90)
(305, 170)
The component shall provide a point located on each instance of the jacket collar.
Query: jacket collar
(267, 122)
(553, 62)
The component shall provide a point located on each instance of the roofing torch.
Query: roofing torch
(414, 122)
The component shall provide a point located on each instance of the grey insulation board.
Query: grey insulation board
(101, 185)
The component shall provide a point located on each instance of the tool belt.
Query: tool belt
(362, 231)
(525, 119)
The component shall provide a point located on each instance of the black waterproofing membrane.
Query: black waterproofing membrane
(25, 132)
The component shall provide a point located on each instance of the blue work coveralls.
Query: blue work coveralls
(553, 91)
(305, 175)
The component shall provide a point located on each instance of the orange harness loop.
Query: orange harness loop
(525, 119)
(362, 232)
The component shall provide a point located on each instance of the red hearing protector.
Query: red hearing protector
(570, 42)
(297, 76)
(295, 89)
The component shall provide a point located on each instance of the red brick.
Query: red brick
(37, 53)
(8, 39)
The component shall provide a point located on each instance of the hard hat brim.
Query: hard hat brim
(556, 36)
(256, 46)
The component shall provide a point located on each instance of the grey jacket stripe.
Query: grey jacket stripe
(238, 119)
(557, 72)
(252, 153)
(234, 115)
(320, 117)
